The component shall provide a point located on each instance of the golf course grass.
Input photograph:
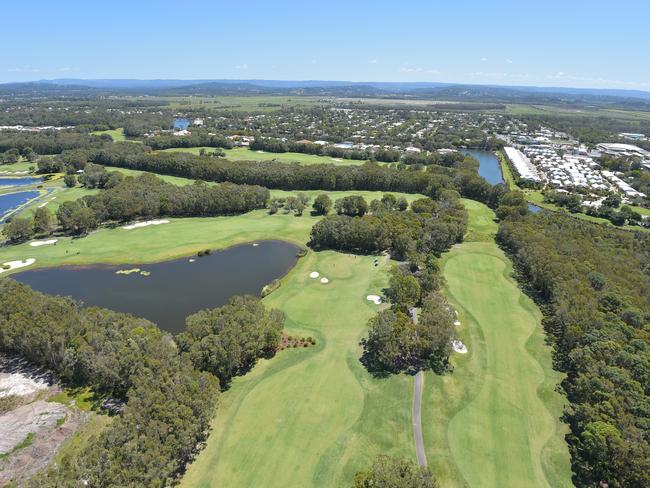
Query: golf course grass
(116, 134)
(494, 422)
(244, 154)
(314, 416)
(311, 417)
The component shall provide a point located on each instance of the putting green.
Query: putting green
(494, 422)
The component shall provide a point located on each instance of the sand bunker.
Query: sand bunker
(261, 152)
(376, 299)
(456, 323)
(314, 274)
(337, 159)
(145, 224)
(43, 243)
(459, 347)
(324, 280)
(9, 265)
(127, 271)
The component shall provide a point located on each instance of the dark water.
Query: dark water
(489, 165)
(175, 289)
(12, 200)
(534, 208)
(181, 123)
(19, 181)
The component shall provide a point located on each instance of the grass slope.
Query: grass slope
(243, 154)
(116, 134)
(494, 422)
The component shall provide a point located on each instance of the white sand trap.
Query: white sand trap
(261, 152)
(324, 280)
(459, 347)
(16, 264)
(456, 323)
(314, 274)
(43, 243)
(337, 159)
(20, 384)
(376, 299)
(145, 224)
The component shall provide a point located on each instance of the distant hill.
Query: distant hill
(420, 90)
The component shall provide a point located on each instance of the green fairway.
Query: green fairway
(494, 422)
(311, 417)
(244, 154)
(116, 134)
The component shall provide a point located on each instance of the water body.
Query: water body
(534, 208)
(489, 167)
(181, 123)
(174, 289)
(19, 181)
(11, 201)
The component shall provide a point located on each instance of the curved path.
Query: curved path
(417, 419)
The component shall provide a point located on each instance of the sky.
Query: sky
(569, 43)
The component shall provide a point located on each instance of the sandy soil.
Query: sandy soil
(145, 224)
(16, 264)
(31, 433)
(43, 243)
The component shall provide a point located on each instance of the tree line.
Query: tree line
(145, 196)
(593, 283)
(429, 227)
(277, 175)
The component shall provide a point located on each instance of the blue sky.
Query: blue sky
(574, 43)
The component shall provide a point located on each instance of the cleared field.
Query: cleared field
(19, 167)
(243, 154)
(494, 422)
(116, 134)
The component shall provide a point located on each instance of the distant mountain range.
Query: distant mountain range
(426, 90)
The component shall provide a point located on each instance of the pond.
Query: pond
(19, 181)
(489, 167)
(534, 208)
(174, 289)
(181, 123)
(10, 201)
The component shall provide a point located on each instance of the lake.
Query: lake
(181, 123)
(19, 181)
(174, 289)
(10, 201)
(489, 167)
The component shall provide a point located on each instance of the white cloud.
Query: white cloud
(372, 61)
(483, 60)
(509, 61)
(242, 66)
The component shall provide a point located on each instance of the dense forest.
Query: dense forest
(168, 404)
(593, 283)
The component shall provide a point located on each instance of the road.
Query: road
(417, 421)
(417, 406)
